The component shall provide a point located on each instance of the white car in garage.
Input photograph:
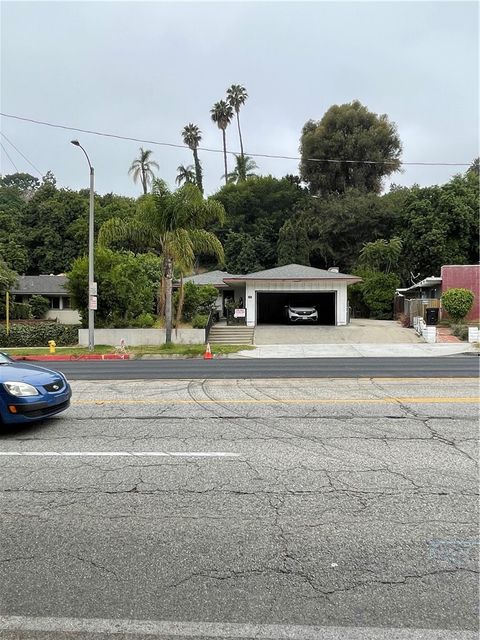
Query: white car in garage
(301, 314)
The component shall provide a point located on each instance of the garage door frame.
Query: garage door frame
(297, 292)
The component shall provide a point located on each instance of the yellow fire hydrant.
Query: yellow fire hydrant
(52, 344)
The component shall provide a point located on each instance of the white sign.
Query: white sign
(239, 313)
(93, 303)
(93, 289)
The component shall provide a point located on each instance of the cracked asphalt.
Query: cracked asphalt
(346, 503)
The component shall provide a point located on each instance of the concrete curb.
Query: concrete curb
(62, 358)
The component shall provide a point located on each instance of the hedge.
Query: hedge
(38, 335)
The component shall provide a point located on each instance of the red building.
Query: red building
(463, 276)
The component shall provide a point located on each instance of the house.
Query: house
(431, 289)
(54, 289)
(264, 294)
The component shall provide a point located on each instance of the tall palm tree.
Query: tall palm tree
(191, 137)
(222, 114)
(236, 97)
(185, 174)
(173, 225)
(244, 167)
(142, 167)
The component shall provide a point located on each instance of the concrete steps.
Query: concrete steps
(221, 334)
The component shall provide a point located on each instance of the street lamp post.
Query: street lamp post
(91, 287)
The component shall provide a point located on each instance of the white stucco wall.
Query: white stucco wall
(63, 316)
(139, 337)
(340, 288)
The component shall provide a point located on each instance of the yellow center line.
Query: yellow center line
(390, 400)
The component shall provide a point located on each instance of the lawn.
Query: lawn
(188, 350)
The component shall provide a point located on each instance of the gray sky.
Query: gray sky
(145, 69)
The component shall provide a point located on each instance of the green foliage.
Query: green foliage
(241, 253)
(144, 321)
(244, 169)
(39, 306)
(374, 294)
(24, 183)
(381, 255)
(458, 303)
(125, 289)
(20, 311)
(38, 335)
(198, 300)
(199, 321)
(349, 132)
(460, 331)
(293, 244)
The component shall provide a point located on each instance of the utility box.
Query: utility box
(431, 316)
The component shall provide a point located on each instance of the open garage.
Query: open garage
(271, 305)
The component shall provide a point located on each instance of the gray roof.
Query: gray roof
(41, 285)
(209, 277)
(294, 272)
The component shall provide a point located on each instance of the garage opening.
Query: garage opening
(271, 306)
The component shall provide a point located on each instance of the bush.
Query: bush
(457, 303)
(199, 300)
(460, 331)
(39, 306)
(199, 321)
(38, 335)
(21, 311)
(144, 321)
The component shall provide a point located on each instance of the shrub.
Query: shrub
(38, 335)
(39, 306)
(457, 303)
(460, 331)
(21, 311)
(144, 321)
(199, 321)
(199, 299)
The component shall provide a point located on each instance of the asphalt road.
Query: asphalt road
(342, 509)
(231, 368)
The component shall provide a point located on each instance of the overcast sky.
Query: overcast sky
(145, 69)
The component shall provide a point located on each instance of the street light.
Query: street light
(92, 293)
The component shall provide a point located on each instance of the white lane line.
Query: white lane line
(223, 630)
(132, 454)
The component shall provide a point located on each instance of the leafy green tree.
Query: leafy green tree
(244, 169)
(458, 303)
(197, 300)
(8, 279)
(346, 133)
(24, 183)
(12, 236)
(375, 293)
(39, 306)
(185, 174)
(222, 114)
(236, 98)
(381, 255)
(172, 225)
(192, 137)
(124, 288)
(293, 244)
(241, 254)
(142, 168)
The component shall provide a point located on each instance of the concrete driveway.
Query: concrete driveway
(359, 331)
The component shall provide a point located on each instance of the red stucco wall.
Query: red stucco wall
(463, 277)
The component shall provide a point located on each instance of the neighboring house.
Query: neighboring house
(54, 289)
(265, 294)
(453, 276)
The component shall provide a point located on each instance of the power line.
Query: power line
(6, 153)
(252, 155)
(19, 152)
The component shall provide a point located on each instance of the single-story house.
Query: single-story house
(452, 276)
(54, 289)
(264, 294)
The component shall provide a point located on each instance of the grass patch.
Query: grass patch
(45, 351)
(190, 350)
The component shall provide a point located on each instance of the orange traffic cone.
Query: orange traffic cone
(208, 353)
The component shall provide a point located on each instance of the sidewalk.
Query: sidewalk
(355, 350)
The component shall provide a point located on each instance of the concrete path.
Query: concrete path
(359, 331)
(354, 350)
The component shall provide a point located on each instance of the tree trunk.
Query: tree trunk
(144, 181)
(161, 296)
(225, 154)
(198, 170)
(181, 298)
(168, 302)
(240, 134)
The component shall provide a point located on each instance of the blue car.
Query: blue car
(29, 393)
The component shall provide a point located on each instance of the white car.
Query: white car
(301, 314)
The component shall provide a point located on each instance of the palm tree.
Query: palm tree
(191, 137)
(173, 225)
(185, 174)
(236, 97)
(243, 169)
(222, 114)
(142, 167)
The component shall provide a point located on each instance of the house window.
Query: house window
(54, 303)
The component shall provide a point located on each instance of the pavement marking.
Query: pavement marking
(134, 454)
(225, 630)
(389, 400)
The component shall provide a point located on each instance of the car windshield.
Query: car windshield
(4, 358)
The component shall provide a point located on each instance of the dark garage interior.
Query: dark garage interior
(271, 306)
